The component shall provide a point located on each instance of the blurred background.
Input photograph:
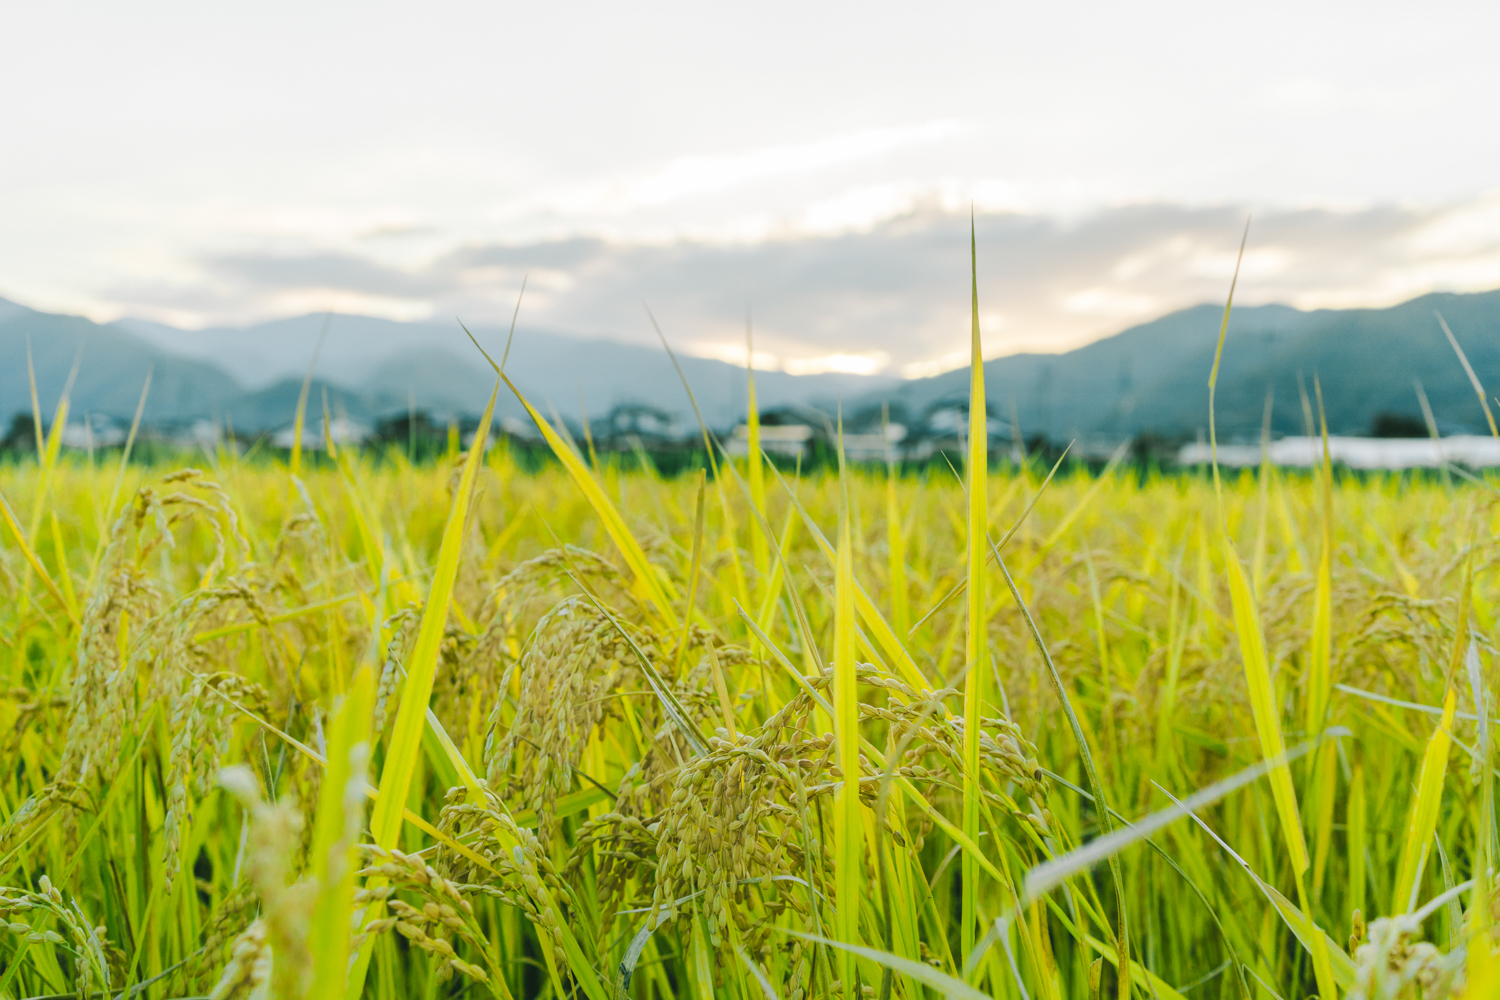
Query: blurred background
(208, 192)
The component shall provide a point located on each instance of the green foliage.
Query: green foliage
(611, 793)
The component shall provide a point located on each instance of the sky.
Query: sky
(812, 166)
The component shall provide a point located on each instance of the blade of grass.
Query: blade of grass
(1469, 371)
(1049, 874)
(710, 447)
(18, 533)
(976, 644)
(340, 810)
(411, 715)
(1481, 968)
(692, 597)
(754, 470)
(1258, 682)
(895, 537)
(1354, 822)
(298, 423)
(114, 493)
(848, 823)
(1319, 676)
(1309, 934)
(1422, 821)
(1086, 758)
(944, 984)
(656, 588)
(1257, 670)
(963, 584)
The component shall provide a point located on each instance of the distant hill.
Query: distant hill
(1154, 377)
(1149, 378)
(372, 368)
(112, 368)
(386, 363)
(1367, 361)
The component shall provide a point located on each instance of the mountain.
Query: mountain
(387, 363)
(1151, 378)
(1154, 377)
(1368, 361)
(372, 368)
(112, 368)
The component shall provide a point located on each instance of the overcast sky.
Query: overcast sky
(220, 164)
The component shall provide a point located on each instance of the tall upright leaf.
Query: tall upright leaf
(1424, 812)
(975, 646)
(1258, 683)
(895, 539)
(755, 472)
(1422, 821)
(421, 668)
(654, 586)
(340, 812)
(848, 825)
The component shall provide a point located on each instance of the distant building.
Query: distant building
(188, 434)
(637, 425)
(93, 432)
(881, 445)
(341, 430)
(944, 427)
(785, 432)
(781, 440)
(522, 430)
(1355, 452)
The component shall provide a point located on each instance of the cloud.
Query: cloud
(892, 295)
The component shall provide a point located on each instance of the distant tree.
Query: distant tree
(22, 434)
(1151, 446)
(1397, 425)
(414, 433)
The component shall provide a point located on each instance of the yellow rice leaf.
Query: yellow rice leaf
(657, 590)
(848, 826)
(411, 716)
(60, 554)
(755, 472)
(1424, 813)
(332, 854)
(976, 646)
(31, 558)
(1146, 980)
(1354, 822)
(880, 629)
(1262, 694)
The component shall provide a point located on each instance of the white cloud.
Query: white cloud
(892, 297)
(870, 363)
(694, 175)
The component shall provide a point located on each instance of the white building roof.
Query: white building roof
(1356, 452)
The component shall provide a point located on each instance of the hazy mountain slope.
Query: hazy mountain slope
(1106, 385)
(260, 355)
(1149, 378)
(387, 362)
(112, 369)
(1154, 377)
(554, 369)
(373, 368)
(1366, 361)
(275, 406)
(9, 309)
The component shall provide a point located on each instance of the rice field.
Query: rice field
(350, 727)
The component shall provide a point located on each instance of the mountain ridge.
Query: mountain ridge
(1150, 378)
